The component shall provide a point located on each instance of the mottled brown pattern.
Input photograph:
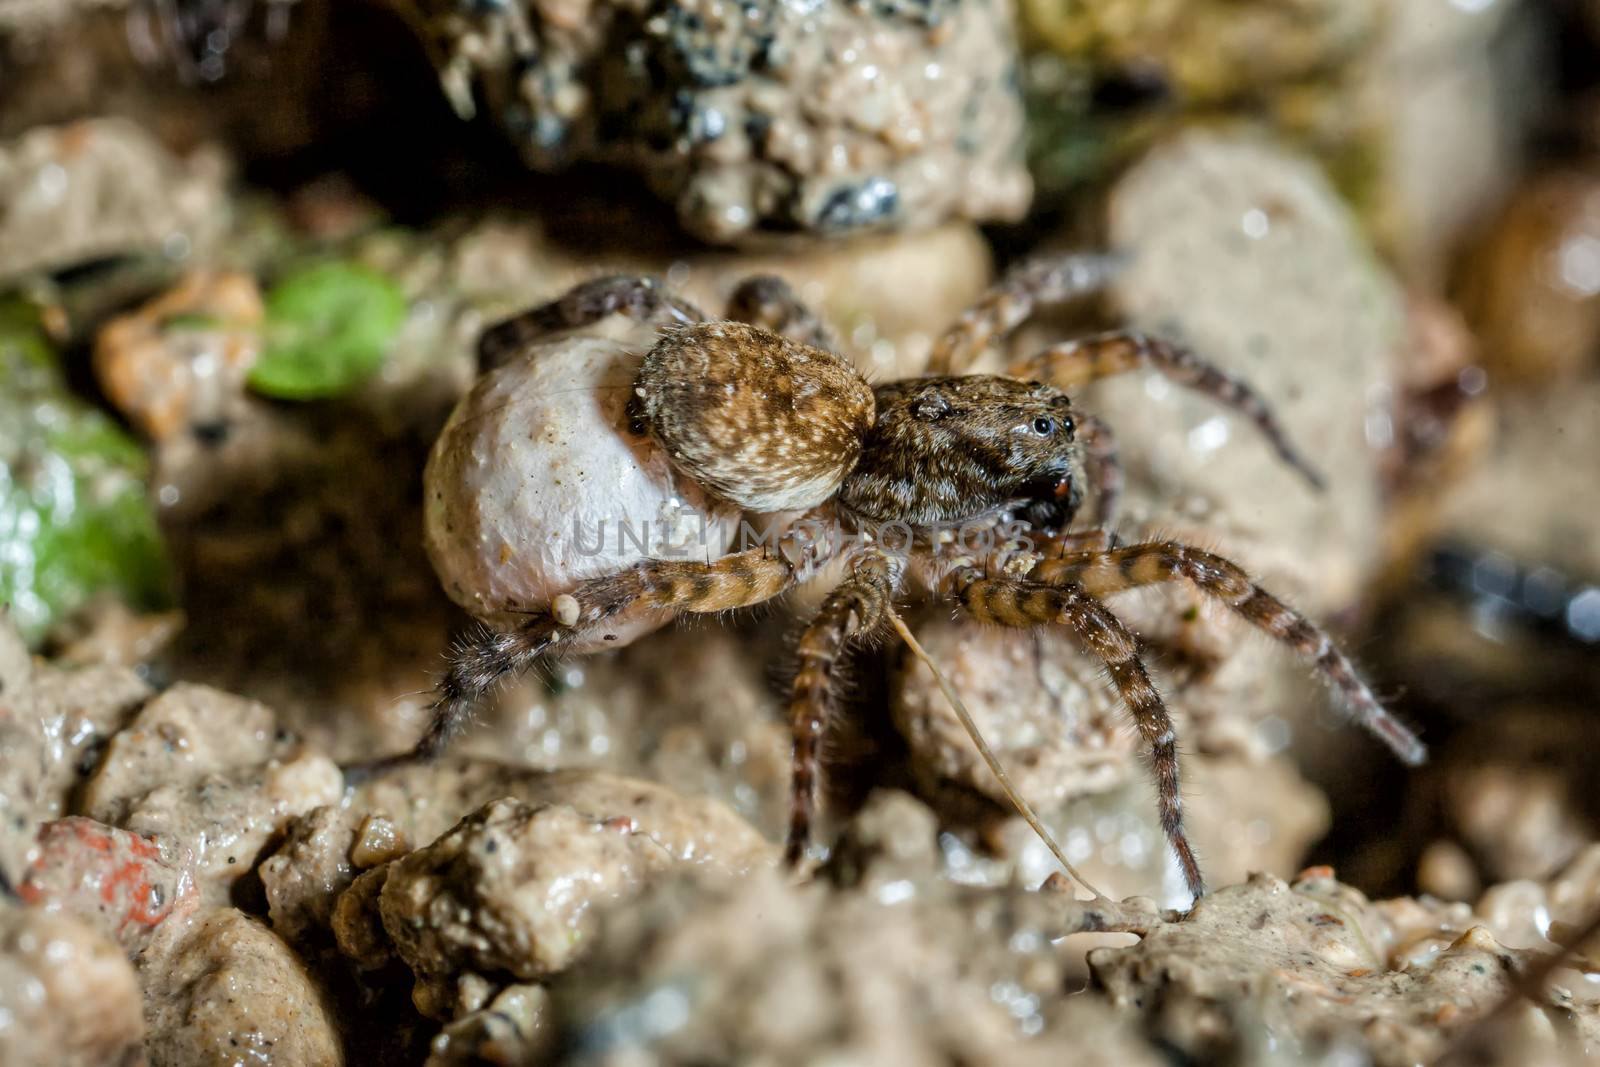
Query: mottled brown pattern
(1131, 566)
(480, 661)
(857, 608)
(1012, 300)
(776, 423)
(1022, 604)
(767, 301)
(762, 421)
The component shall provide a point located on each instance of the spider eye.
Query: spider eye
(1044, 426)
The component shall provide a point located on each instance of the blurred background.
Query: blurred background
(247, 247)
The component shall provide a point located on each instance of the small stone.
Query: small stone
(227, 988)
(111, 188)
(67, 994)
(500, 892)
(179, 362)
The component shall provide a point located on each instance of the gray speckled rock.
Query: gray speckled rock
(100, 187)
(50, 722)
(67, 995)
(1243, 251)
(758, 117)
(425, 801)
(1244, 815)
(212, 771)
(226, 990)
(691, 707)
(905, 969)
(1313, 965)
(514, 887)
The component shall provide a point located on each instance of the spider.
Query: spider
(760, 412)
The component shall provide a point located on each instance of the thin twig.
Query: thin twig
(1017, 801)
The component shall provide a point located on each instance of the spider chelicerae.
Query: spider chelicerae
(760, 412)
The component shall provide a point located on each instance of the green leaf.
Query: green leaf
(328, 328)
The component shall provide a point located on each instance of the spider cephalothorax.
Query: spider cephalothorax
(952, 450)
(762, 415)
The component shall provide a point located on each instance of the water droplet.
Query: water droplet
(1209, 435)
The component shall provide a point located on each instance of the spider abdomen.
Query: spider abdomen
(761, 421)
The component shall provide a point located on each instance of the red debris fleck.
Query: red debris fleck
(117, 880)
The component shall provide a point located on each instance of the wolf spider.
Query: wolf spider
(761, 413)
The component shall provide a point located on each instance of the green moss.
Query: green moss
(1069, 147)
(75, 516)
(328, 328)
(25, 353)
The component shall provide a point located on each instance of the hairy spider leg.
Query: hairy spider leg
(1074, 363)
(1022, 604)
(1130, 566)
(1013, 299)
(635, 296)
(478, 662)
(857, 607)
(768, 301)
(1066, 543)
